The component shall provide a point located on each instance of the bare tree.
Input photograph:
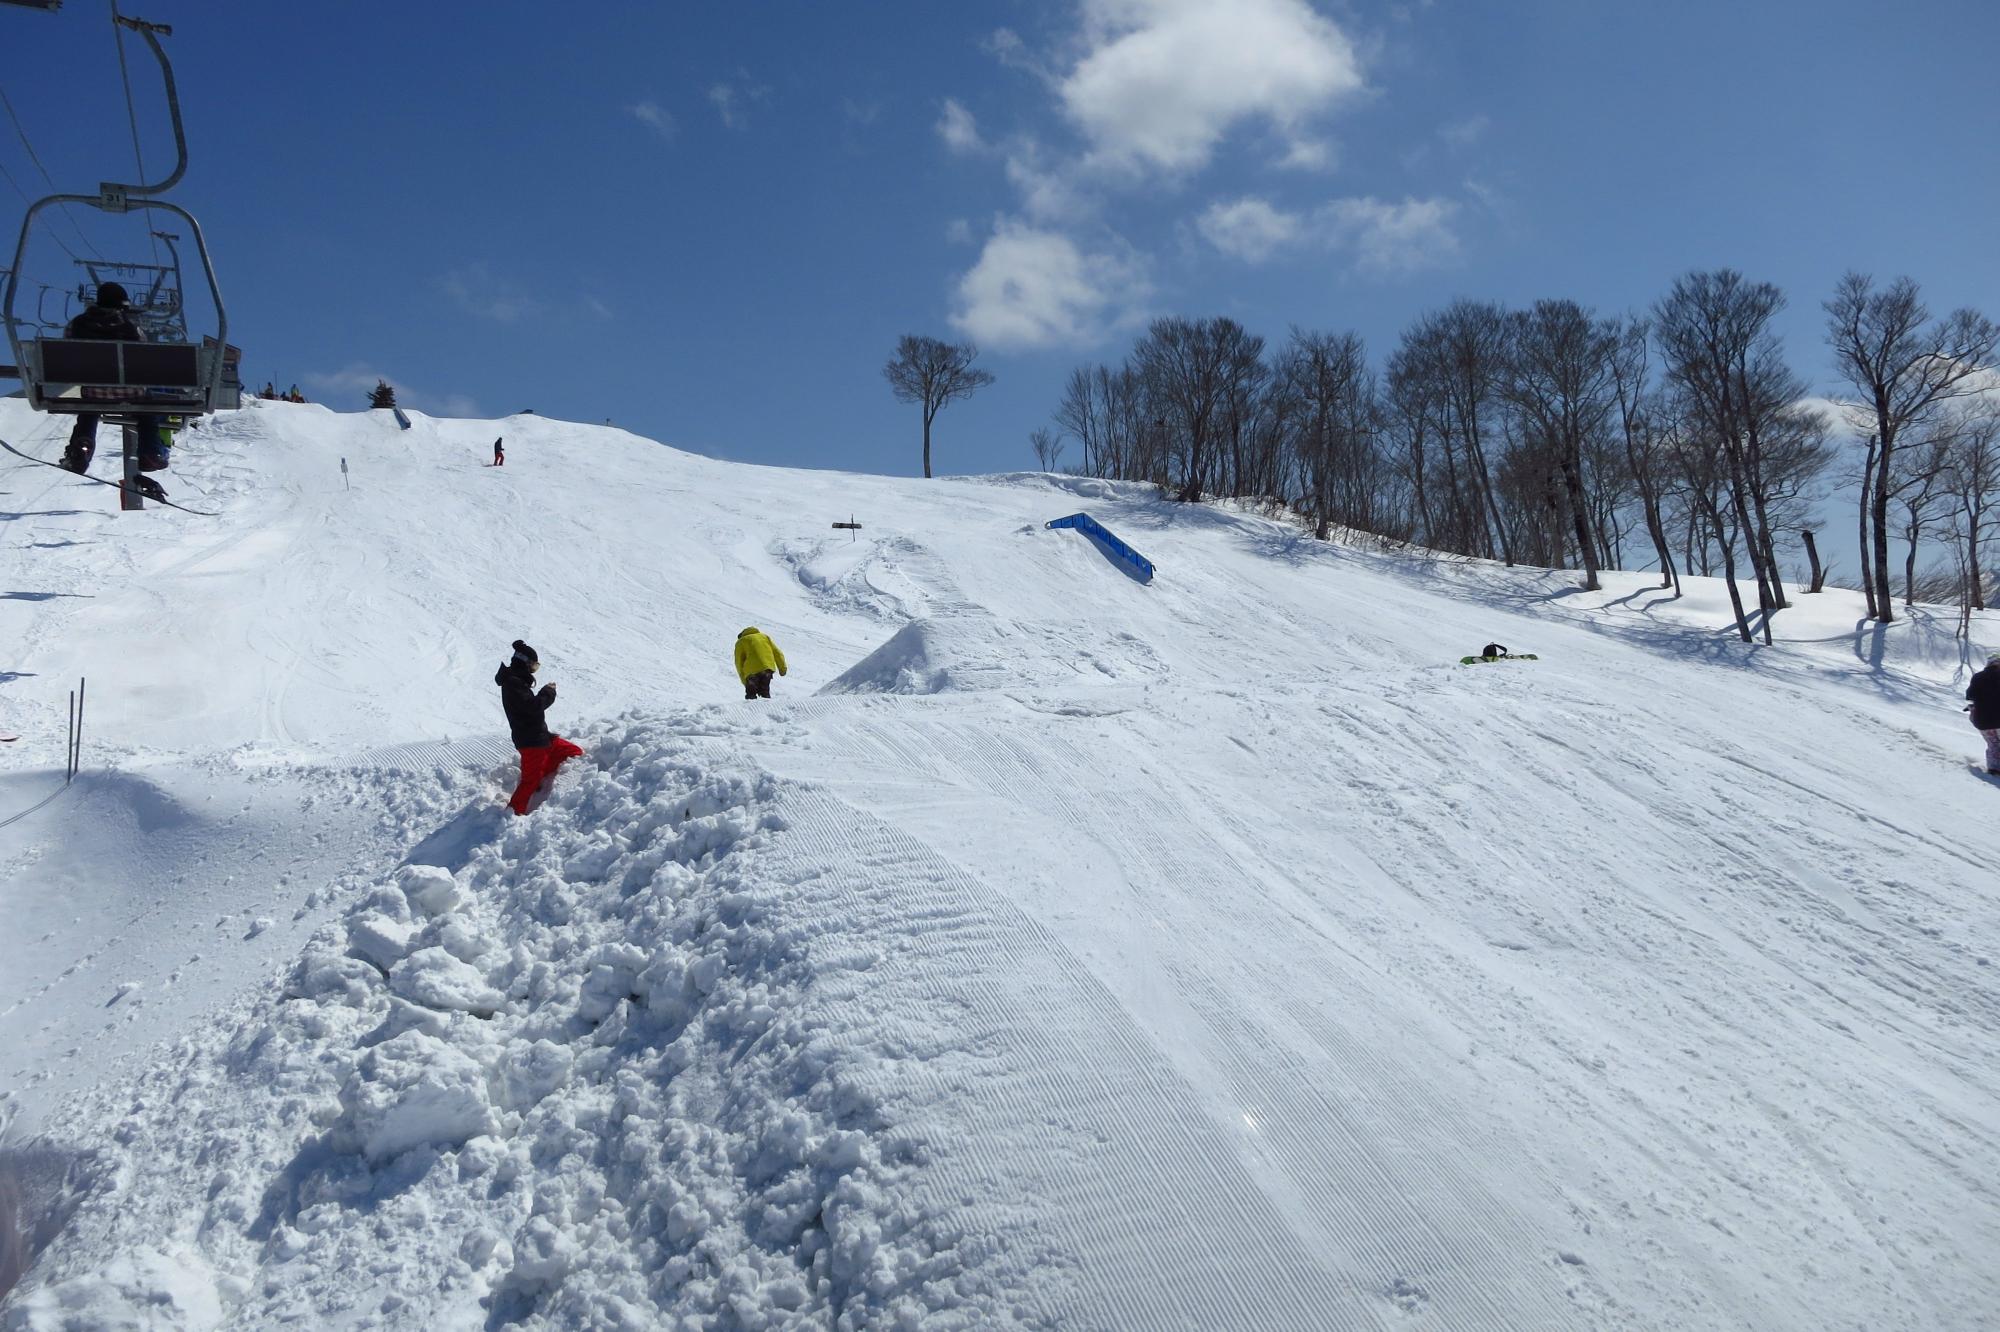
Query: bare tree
(1713, 520)
(1904, 366)
(1327, 375)
(1048, 446)
(1189, 367)
(1725, 365)
(1630, 368)
(1972, 477)
(1561, 383)
(932, 372)
(1818, 580)
(1459, 354)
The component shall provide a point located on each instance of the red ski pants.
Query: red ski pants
(537, 766)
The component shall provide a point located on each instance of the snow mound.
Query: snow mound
(941, 655)
(574, 1083)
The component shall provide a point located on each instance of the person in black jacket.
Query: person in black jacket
(542, 751)
(107, 320)
(1984, 691)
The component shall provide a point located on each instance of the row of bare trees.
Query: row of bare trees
(1557, 437)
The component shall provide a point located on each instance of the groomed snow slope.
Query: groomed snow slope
(1054, 951)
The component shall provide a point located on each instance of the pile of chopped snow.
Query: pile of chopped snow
(943, 654)
(573, 1083)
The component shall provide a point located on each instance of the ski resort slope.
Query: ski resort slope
(1055, 950)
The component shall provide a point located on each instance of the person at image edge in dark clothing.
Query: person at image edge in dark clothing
(1984, 691)
(542, 751)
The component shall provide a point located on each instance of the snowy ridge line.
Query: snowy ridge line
(1065, 1059)
(1355, 1195)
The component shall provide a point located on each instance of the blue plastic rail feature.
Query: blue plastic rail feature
(401, 419)
(1117, 549)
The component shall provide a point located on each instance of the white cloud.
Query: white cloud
(1462, 134)
(655, 117)
(958, 231)
(1162, 81)
(1036, 288)
(724, 98)
(732, 99)
(957, 128)
(1250, 228)
(478, 292)
(1383, 238)
(1049, 190)
(347, 389)
(1391, 238)
(1006, 46)
(1308, 154)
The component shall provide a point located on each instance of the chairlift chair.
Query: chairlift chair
(126, 380)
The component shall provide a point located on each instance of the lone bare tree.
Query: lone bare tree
(932, 372)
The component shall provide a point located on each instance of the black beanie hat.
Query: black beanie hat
(522, 652)
(111, 294)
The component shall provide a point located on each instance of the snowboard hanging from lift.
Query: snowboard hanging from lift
(118, 485)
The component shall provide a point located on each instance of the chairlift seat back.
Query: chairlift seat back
(71, 375)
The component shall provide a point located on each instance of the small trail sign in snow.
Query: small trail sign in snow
(850, 527)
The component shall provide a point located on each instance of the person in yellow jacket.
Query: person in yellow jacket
(756, 657)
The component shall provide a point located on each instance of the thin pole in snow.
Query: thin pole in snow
(76, 731)
(69, 742)
(343, 474)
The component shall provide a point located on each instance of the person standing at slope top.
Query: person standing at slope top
(542, 751)
(499, 454)
(756, 657)
(1984, 691)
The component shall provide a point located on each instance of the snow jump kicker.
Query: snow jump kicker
(1139, 565)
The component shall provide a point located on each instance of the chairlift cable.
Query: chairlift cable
(30, 199)
(36, 158)
(131, 111)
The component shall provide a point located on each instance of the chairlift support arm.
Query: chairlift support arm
(115, 194)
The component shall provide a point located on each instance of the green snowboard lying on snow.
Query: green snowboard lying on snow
(1510, 656)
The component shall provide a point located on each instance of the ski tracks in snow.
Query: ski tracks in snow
(1351, 1153)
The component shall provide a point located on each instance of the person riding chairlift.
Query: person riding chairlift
(107, 320)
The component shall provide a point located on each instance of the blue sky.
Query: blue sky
(710, 222)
